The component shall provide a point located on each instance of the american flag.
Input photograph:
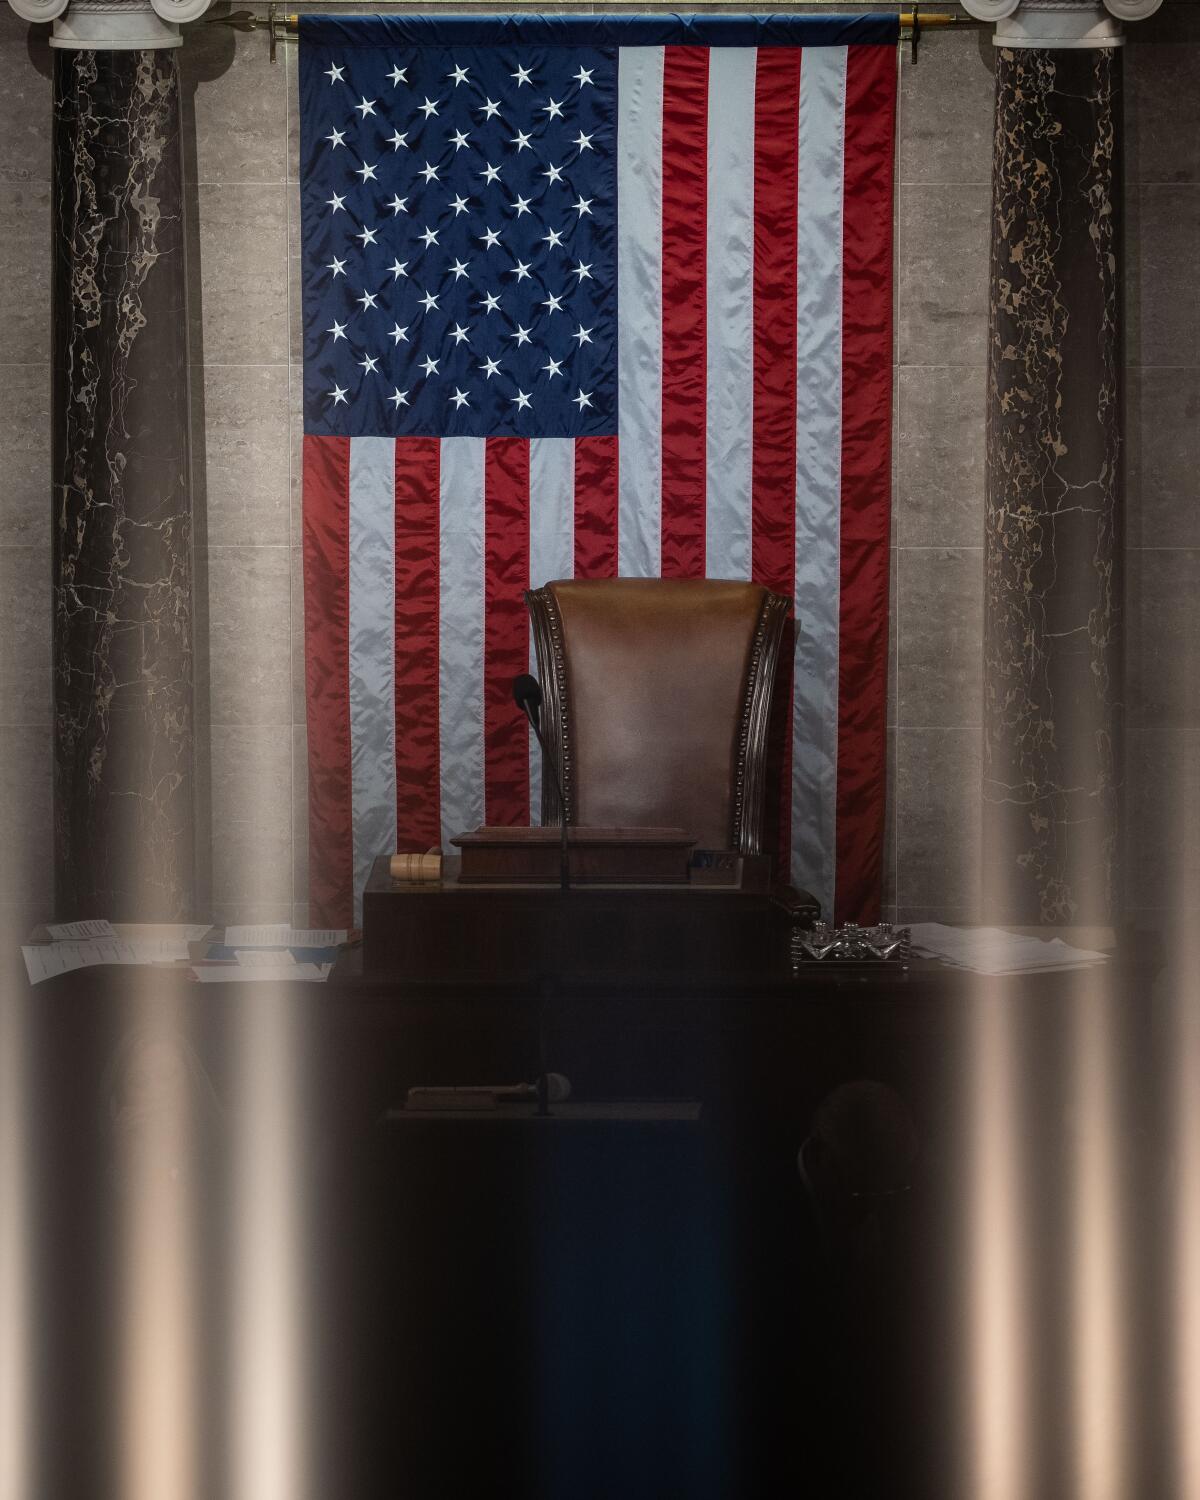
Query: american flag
(587, 296)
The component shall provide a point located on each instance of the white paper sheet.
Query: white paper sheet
(265, 958)
(993, 950)
(280, 935)
(236, 974)
(92, 928)
(45, 960)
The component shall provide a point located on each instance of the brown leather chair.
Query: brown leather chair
(656, 697)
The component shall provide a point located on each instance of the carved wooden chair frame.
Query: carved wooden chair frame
(751, 766)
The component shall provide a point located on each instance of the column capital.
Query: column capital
(112, 25)
(1060, 23)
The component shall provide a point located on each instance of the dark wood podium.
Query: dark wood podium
(723, 925)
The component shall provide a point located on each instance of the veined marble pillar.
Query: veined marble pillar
(1053, 625)
(121, 504)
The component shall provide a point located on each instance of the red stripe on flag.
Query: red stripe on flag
(596, 489)
(327, 679)
(684, 320)
(866, 481)
(418, 762)
(773, 461)
(505, 629)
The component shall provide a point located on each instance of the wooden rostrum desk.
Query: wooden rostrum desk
(722, 925)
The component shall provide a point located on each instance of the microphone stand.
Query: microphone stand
(526, 701)
(564, 860)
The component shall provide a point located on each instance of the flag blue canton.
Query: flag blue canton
(459, 241)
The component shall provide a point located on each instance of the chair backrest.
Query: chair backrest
(656, 699)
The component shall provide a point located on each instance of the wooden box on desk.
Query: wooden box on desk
(720, 928)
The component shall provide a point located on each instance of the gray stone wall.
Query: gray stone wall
(240, 131)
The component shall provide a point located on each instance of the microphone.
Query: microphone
(527, 695)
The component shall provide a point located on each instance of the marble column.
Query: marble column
(1053, 622)
(121, 504)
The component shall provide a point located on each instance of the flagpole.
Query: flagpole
(282, 26)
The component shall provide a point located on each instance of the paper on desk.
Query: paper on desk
(92, 928)
(280, 935)
(45, 960)
(993, 950)
(237, 974)
(265, 958)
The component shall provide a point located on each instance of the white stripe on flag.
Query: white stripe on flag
(372, 627)
(551, 551)
(818, 470)
(730, 417)
(460, 615)
(639, 298)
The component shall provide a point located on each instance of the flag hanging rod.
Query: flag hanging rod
(282, 26)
